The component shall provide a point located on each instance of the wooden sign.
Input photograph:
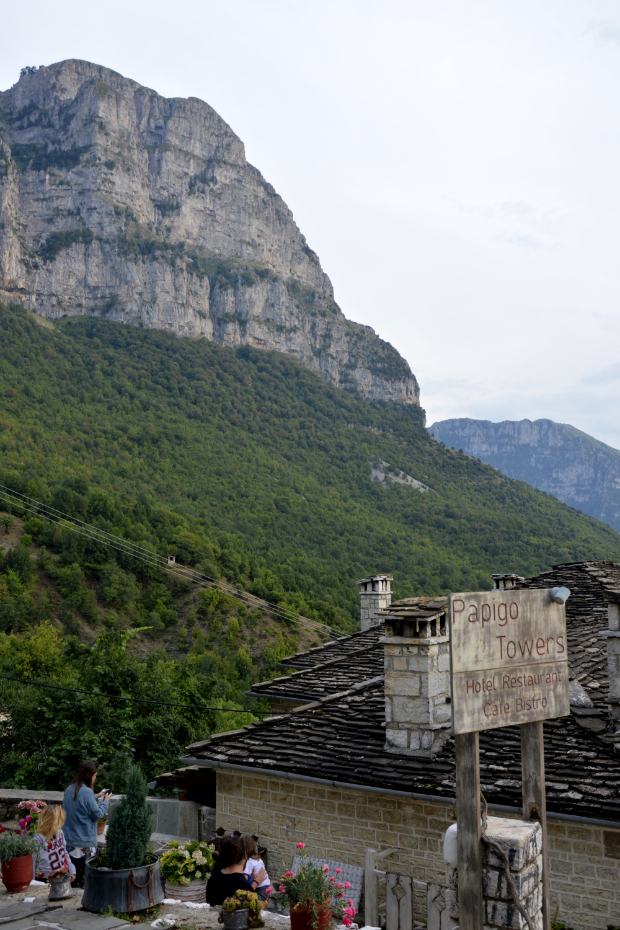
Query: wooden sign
(509, 659)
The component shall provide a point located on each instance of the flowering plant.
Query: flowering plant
(241, 899)
(28, 823)
(59, 873)
(312, 886)
(187, 861)
(14, 845)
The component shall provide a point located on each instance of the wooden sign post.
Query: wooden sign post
(509, 665)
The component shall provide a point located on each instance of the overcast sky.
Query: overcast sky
(454, 163)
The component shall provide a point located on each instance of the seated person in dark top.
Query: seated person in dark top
(228, 876)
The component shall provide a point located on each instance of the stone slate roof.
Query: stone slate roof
(359, 657)
(341, 738)
(330, 677)
(591, 585)
(337, 649)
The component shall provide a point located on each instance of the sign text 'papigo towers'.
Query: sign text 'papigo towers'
(509, 659)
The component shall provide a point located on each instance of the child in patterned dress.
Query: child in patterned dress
(51, 855)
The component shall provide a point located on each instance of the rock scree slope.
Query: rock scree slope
(555, 457)
(117, 202)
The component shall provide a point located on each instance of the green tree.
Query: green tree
(7, 521)
(130, 825)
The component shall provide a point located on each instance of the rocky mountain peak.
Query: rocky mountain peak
(117, 202)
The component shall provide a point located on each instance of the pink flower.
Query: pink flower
(301, 846)
(349, 911)
(22, 823)
(325, 868)
(268, 890)
(288, 874)
(347, 921)
(282, 888)
(351, 904)
(28, 819)
(347, 885)
(338, 871)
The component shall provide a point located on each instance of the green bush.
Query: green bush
(130, 825)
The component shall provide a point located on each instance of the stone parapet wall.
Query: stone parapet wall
(340, 824)
(10, 798)
(170, 817)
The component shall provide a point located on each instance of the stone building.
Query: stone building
(359, 752)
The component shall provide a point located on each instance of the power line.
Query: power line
(143, 554)
(119, 697)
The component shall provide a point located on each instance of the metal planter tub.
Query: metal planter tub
(236, 920)
(124, 890)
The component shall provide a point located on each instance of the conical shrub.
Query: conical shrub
(130, 826)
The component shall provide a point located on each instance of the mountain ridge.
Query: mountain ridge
(558, 458)
(117, 202)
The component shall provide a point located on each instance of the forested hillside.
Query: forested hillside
(244, 465)
(255, 469)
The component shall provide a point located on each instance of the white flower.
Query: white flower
(196, 854)
(201, 860)
(198, 874)
(186, 854)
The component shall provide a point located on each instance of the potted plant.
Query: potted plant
(242, 910)
(101, 825)
(186, 868)
(60, 885)
(125, 876)
(315, 897)
(29, 820)
(16, 852)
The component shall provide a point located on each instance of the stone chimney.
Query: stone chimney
(505, 582)
(375, 595)
(418, 716)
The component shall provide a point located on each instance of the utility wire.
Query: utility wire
(119, 697)
(145, 555)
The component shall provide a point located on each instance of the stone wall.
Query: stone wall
(341, 824)
(170, 817)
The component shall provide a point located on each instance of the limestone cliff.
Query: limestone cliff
(117, 202)
(555, 457)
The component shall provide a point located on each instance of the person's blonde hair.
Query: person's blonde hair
(51, 820)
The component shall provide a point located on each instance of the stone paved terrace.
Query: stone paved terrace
(15, 914)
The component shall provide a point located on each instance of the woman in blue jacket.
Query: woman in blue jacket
(83, 809)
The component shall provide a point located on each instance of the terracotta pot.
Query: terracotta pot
(17, 874)
(302, 917)
(101, 827)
